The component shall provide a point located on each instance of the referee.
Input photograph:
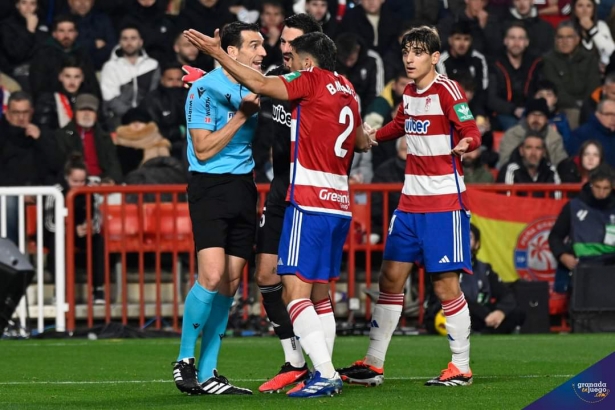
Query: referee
(221, 117)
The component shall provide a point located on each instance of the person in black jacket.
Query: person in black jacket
(528, 164)
(75, 176)
(512, 77)
(156, 28)
(363, 67)
(55, 110)
(24, 154)
(582, 232)
(165, 106)
(49, 59)
(96, 32)
(20, 35)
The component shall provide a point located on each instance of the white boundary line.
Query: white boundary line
(529, 376)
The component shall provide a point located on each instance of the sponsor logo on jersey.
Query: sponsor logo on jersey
(190, 108)
(292, 76)
(342, 199)
(208, 107)
(463, 112)
(280, 115)
(207, 120)
(200, 91)
(230, 116)
(413, 126)
(228, 98)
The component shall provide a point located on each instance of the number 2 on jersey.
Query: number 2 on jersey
(345, 116)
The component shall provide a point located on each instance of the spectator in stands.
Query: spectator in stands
(600, 127)
(362, 66)
(271, 23)
(540, 33)
(50, 58)
(604, 92)
(20, 35)
(595, 34)
(426, 11)
(165, 106)
(484, 28)
(24, 147)
(373, 23)
(319, 9)
(128, 76)
(392, 170)
(96, 32)
(577, 168)
(204, 16)
(155, 26)
(84, 135)
(547, 90)
(459, 57)
(512, 77)
(474, 169)
(565, 65)
(361, 171)
(24, 153)
(75, 176)
(144, 154)
(574, 239)
(381, 111)
(187, 54)
(392, 59)
(529, 164)
(55, 110)
(536, 122)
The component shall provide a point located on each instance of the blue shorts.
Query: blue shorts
(311, 245)
(439, 241)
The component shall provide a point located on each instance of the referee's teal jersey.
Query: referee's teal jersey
(212, 101)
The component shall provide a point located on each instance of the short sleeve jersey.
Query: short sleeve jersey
(212, 102)
(325, 115)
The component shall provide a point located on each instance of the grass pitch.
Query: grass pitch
(510, 372)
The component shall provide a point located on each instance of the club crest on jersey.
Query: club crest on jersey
(427, 104)
(292, 76)
(413, 126)
(463, 112)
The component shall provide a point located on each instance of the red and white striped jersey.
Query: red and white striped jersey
(325, 115)
(433, 120)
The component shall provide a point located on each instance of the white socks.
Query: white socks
(324, 309)
(309, 331)
(458, 327)
(384, 321)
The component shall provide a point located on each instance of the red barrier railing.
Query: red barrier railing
(163, 226)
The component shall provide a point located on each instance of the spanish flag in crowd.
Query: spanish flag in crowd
(514, 233)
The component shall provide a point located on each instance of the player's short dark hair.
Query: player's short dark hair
(601, 172)
(546, 85)
(461, 27)
(424, 37)
(63, 18)
(231, 34)
(475, 231)
(319, 46)
(303, 22)
(75, 161)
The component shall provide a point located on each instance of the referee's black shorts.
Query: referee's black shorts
(223, 212)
